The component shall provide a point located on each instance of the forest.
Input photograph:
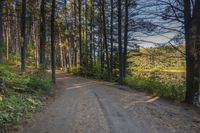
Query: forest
(151, 46)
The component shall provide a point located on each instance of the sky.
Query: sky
(153, 14)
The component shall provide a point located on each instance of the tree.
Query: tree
(192, 40)
(53, 65)
(125, 37)
(105, 41)
(91, 33)
(80, 32)
(1, 31)
(23, 34)
(120, 44)
(42, 35)
(111, 37)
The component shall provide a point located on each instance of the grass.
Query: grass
(20, 94)
(156, 88)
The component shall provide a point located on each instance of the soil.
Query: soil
(89, 106)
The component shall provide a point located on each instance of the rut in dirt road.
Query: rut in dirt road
(89, 106)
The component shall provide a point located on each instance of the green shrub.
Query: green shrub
(155, 87)
(20, 93)
(92, 72)
(38, 83)
(14, 107)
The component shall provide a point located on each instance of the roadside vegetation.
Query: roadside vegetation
(175, 92)
(21, 93)
(159, 71)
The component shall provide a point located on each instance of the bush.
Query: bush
(156, 88)
(20, 93)
(38, 83)
(14, 107)
(92, 72)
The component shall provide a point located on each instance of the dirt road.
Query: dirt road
(89, 106)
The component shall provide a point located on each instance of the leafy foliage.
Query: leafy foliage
(159, 58)
(20, 93)
(155, 87)
(159, 70)
(14, 107)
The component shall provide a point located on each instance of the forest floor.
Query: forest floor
(88, 106)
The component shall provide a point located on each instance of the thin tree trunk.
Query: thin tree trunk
(100, 38)
(120, 44)
(80, 34)
(111, 38)
(53, 65)
(75, 41)
(105, 40)
(125, 38)
(91, 33)
(7, 43)
(1, 31)
(86, 32)
(42, 36)
(61, 53)
(7, 32)
(23, 34)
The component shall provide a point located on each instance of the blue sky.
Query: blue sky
(151, 14)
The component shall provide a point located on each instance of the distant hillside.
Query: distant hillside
(157, 59)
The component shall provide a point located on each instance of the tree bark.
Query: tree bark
(53, 65)
(23, 34)
(192, 50)
(91, 33)
(111, 37)
(1, 31)
(125, 38)
(105, 41)
(42, 36)
(120, 44)
(80, 33)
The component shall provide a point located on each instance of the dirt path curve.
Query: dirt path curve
(89, 106)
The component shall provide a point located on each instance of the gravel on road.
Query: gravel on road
(89, 106)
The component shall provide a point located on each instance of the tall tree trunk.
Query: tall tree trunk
(189, 54)
(1, 31)
(53, 65)
(197, 17)
(101, 46)
(105, 40)
(192, 51)
(80, 33)
(23, 34)
(125, 38)
(75, 26)
(7, 31)
(91, 32)
(111, 38)
(86, 53)
(195, 29)
(42, 36)
(120, 44)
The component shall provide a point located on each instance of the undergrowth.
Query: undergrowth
(157, 88)
(20, 94)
